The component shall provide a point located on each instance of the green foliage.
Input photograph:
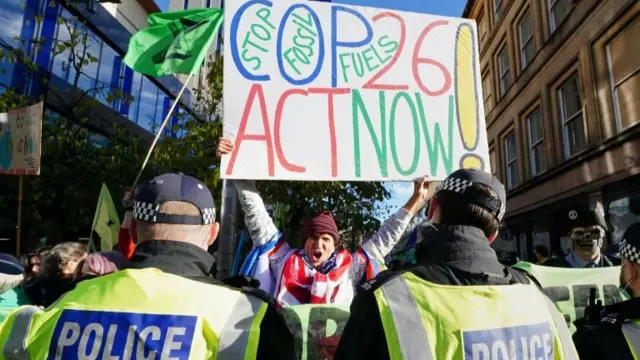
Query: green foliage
(60, 203)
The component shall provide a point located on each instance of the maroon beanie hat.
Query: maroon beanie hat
(323, 223)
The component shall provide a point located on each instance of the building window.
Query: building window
(498, 10)
(185, 4)
(527, 44)
(503, 70)
(624, 76)
(537, 161)
(622, 213)
(571, 116)
(208, 4)
(511, 158)
(558, 11)
(486, 90)
(482, 30)
(492, 162)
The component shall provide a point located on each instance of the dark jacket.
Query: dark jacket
(605, 261)
(606, 341)
(453, 255)
(189, 261)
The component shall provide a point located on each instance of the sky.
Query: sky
(400, 192)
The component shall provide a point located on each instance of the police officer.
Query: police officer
(166, 306)
(587, 231)
(459, 302)
(617, 333)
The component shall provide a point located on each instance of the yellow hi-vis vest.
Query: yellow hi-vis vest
(631, 332)
(427, 321)
(135, 315)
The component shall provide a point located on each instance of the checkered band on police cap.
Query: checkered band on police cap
(629, 251)
(174, 187)
(149, 212)
(461, 182)
(145, 211)
(455, 184)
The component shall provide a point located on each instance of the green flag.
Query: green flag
(174, 43)
(106, 223)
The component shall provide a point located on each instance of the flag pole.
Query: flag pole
(19, 225)
(164, 123)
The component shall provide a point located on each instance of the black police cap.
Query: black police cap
(461, 182)
(174, 187)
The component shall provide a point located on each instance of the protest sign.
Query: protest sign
(20, 140)
(570, 288)
(316, 329)
(323, 91)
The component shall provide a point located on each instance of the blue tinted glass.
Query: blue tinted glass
(98, 140)
(108, 72)
(60, 66)
(163, 107)
(12, 20)
(148, 105)
(135, 92)
(89, 72)
(6, 71)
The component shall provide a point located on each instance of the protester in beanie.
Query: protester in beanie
(322, 272)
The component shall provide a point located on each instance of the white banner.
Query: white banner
(322, 91)
(20, 140)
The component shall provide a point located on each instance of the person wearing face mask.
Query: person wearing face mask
(586, 229)
(322, 272)
(617, 333)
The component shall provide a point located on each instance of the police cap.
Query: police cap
(174, 187)
(630, 245)
(577, 217)
(461, 182)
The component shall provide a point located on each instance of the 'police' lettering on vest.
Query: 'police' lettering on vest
(81, 334)
(517, 342)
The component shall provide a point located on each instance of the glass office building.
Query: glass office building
(107, 41)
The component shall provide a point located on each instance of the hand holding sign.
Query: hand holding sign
(320, 91)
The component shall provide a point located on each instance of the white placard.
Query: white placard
(20, 140)
(322, 91)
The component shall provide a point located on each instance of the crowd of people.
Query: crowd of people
(156, 297)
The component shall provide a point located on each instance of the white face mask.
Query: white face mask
(588, 239)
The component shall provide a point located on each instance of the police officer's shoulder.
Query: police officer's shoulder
(523, 277)
(382, 278)
(259, 293)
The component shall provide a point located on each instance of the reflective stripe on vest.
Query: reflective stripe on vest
(412, 341)
(563, 330)
(240, 336)
(16, 347)
(631, 333)
(407, 322)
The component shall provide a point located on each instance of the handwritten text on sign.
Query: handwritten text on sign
(323, 91)
(20, 137)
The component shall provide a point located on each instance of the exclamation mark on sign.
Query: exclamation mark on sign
(467, 96)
